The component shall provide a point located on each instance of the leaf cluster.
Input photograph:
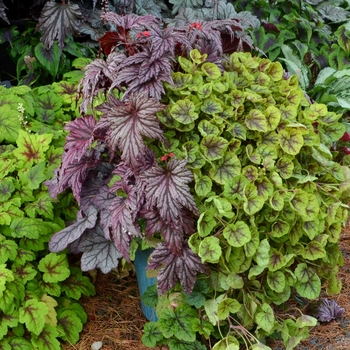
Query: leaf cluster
(271, 198)
(38, 289)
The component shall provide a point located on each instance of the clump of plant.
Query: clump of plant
(38, 289)
(260, 222)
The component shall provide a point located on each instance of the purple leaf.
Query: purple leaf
(79, 138)
(60, 240)
(56, 20)
(175, 268)
(127, 124)
(168, 191)
(326, 310)
(98, 252)
(129, 21)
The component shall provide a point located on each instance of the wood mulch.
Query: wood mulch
(115, 317)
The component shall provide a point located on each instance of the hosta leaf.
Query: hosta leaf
(98, 252)
(210, 250)
(265, 318)
(311, 288)
(8, 250)
(256, 120)
(237, 234)
(47, 339)
(213, 147)
(228, 306)
(178, 323)
(57, 20)
(70, 324)
(226, 168)
(60, 240)
(276, 281)
(54, 267)
(313, 251)
(184, 111)
(291, 141)
(33, 313)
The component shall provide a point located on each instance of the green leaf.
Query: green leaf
(32, 147)
(151, 334)
(226, 168)
(55, 267)
(70, 324)
(47, 339)
(253, 204)
(265, 318)
(211, 107)
(313, 251)
(237, 234)
(311, 288)
(49, 58)
(184, 111)
(234, 189)
(228, 343)
(306, 321)
(8, 250)
(235, 281)
(186, 64)
(206, 128)
(210, 250)
(211, 70)
(256, 120)
(213, 147)
(77, 284)
(238, 131)
(34, 176)
(9, 124)
(29, 228)
(33, 315)
(273, 117)
(291, 141)
(227, 306)
(262, 254)
(206, 223)
(277, 201)
(203, 185)
(178, 323)
(20, 343)
(6, 188)
(25, 272)
(285, 167)
(276, 281)
(279, 228)
(41, 206)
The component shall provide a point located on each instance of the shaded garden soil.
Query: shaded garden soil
(115, 317)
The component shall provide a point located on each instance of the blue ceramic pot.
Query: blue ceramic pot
(141, 259)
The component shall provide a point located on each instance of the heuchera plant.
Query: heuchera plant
(38, 289)
(264, 214)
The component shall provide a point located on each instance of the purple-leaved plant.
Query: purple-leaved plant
(111, 164)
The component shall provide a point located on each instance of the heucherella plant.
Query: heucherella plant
(38, 289)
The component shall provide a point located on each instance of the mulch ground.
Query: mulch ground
(115, 317)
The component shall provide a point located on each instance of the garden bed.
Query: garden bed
(116, 319)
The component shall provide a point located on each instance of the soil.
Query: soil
(115, 317)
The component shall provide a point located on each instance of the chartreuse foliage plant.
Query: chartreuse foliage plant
(38, 289)
(231, 178)
(271, 200)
